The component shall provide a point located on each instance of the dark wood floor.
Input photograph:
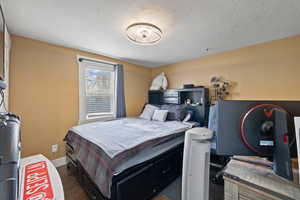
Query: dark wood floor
(73, 191)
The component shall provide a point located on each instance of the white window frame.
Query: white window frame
(82, 100)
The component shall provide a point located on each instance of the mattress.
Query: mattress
(103, 162)
(152, 152)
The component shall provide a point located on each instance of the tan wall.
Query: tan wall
(265, 71)
(44, 83)
(44, 92)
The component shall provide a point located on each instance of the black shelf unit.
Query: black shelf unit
(198, 96)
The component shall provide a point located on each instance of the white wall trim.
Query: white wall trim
(59, 161)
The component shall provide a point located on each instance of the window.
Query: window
(96, 89)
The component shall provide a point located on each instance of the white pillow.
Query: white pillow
(187, 117)
(160, 115)
(148, 111)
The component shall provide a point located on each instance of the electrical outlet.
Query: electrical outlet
(54, 148)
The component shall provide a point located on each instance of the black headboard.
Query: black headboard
(199, 98)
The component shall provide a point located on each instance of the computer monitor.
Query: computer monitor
(225, 121)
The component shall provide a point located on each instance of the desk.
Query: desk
(244, 181)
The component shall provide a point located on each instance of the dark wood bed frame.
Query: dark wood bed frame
(145, 180)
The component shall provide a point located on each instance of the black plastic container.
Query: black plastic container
(10, 152)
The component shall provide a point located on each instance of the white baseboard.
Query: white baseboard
(59, 161)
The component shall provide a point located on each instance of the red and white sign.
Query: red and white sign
(39, 180)
(37, 185)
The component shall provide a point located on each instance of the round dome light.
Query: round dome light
(143, 33)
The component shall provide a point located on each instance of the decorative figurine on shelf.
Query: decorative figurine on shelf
(220, 88)
(188, 101)
(159, 82)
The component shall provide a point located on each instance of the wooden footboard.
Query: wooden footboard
(140, 182)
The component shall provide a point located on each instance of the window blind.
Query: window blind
(97, 90)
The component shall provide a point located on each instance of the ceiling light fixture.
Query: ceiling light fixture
(143, 33)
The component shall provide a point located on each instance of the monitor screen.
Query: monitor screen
(225, 120)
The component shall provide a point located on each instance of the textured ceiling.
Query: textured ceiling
(192, 28)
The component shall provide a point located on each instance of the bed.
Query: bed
(132, 158)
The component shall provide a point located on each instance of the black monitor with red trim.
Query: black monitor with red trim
(256, 128)
(238, 125)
